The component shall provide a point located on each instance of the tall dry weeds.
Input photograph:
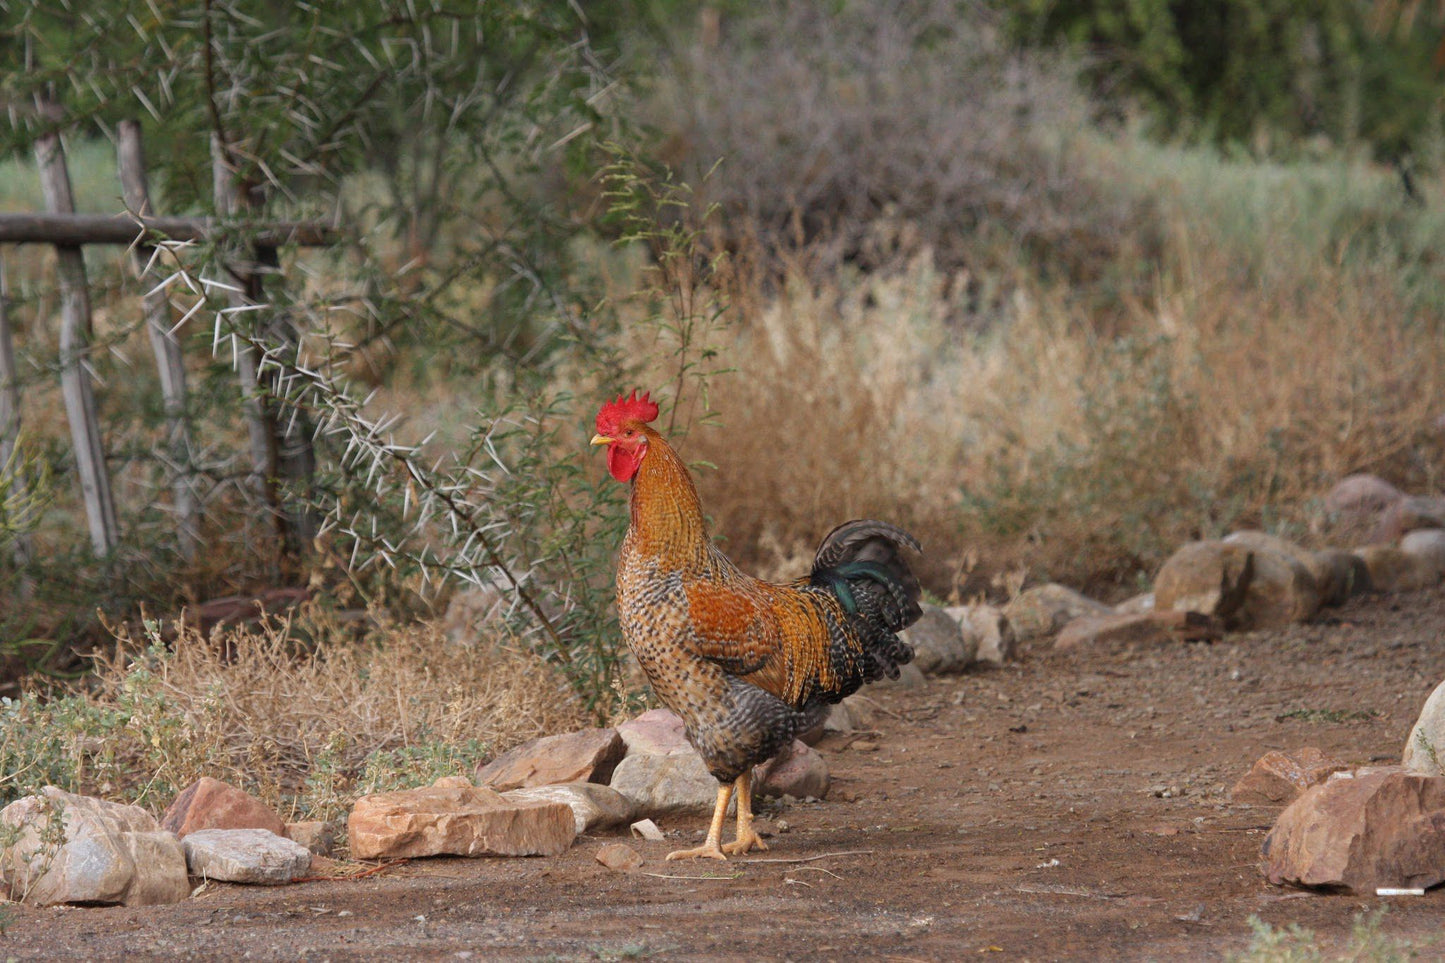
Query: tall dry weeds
(1222, 403)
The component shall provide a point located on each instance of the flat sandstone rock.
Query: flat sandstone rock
(458, 821)
(256, 856)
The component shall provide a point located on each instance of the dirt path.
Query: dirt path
(1069, 807)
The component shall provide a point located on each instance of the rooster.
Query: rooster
(746, 664)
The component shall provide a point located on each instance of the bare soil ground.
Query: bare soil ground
(1072, 806)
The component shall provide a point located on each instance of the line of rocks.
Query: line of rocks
(532, 801)
(66, 848)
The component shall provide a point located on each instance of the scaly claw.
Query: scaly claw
(708, 850)
(747, 839)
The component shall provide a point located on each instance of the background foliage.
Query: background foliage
(1261, 74)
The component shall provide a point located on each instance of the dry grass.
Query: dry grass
(306, 726)
(1224, 402)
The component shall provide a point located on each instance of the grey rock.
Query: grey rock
(844, 717)
(938, 643)
(910, 676)
(256, 856)
(1425, 749)
(1042, 610)
(1427, 544)
(77, 849)
(987, 631)
(661, 784)
(594, 806)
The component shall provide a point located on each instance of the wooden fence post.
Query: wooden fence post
(11, 469)
(74, 348)
(167, 350)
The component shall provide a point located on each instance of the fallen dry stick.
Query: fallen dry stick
(809, 859)
(362, 875)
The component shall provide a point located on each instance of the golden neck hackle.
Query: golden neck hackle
(667, 520)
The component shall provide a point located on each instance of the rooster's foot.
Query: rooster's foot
(708, 850)
(746, 840)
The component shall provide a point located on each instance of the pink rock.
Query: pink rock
(318, 836)
(1361, 494)
(456, 821)
(586, 756)
(619, 856)
(799, 771)
(1368, 829)
(1407, 515)
(656, 732)
(212, 804)
(1278, 777)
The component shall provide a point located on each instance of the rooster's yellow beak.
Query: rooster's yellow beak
(601, 440)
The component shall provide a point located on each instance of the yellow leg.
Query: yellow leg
(710, 849)
(747, 839)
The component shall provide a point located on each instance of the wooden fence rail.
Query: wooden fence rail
(70, 230)
(280, 447)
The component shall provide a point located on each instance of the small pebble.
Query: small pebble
(619, 856)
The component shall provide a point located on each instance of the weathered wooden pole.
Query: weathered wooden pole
(75, 387)
(12, 472)
(167, 350)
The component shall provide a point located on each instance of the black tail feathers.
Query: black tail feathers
(861, 562)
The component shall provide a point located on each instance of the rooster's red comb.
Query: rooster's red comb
(614, 413)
